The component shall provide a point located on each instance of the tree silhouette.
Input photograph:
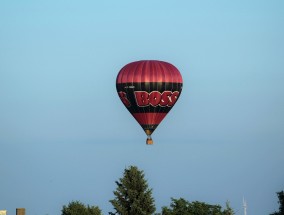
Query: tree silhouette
(132, 195)
(281, 204)
(78, 208)
(183, 207)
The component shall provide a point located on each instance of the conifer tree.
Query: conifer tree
(132, 195)
(281, 203)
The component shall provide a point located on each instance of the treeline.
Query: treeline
(134, 197)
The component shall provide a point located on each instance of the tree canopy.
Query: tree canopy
(78, 208)
(281, 204)
(132, 195)
(183, 207)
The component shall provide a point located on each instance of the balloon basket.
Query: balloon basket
(149, 141)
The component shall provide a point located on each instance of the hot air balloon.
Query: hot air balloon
(149, 89)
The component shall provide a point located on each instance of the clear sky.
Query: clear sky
(65, 135)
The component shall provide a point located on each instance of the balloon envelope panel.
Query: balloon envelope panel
(149, 89)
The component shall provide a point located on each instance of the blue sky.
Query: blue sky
(65, 135)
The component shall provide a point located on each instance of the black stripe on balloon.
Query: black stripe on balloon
(150, 86)
(130, 88)
(149, 127)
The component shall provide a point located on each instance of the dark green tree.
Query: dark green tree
(132, 195)
(78, 208)
(184, 207)
(281, 204)
(228, 210)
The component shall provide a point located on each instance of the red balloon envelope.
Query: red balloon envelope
(149, 89)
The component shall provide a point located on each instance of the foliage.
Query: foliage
(132, 195)
(184, 207)
(228, 210)
(78, 208)
(281, 204)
